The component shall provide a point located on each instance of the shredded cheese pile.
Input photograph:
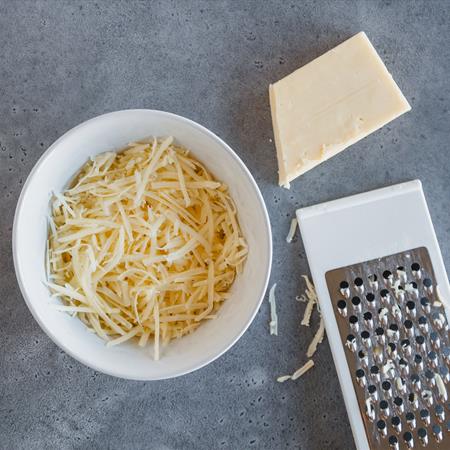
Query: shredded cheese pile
(145, 244)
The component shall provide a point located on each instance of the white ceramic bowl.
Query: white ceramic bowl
(54, 170)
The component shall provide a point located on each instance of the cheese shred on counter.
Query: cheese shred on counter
(144, 245)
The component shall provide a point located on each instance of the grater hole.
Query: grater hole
(384, 293)
(427, 282)
(396, 423)
(415, 380)
(381, 425)
(439, 411)
(408, 324)
(418, 361)
(413, 399)
(384, 404)
(420, 341)
(393, 327)
(387, 274)
(393, 332)
(410, 305)
(393, 441)
(354, 323)
(437, 431)
(425, 415)
(429, 375)
(358, 282)
(415, 267)
(341, 304)
(392, 349)
(408, 437)
(342, 307)
(343, 285)
(422, 433)
(403, 366)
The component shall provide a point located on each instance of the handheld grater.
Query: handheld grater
(383, 292)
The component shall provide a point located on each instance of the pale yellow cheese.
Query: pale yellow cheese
(331, 103)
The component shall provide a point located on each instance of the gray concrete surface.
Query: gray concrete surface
(62, 62)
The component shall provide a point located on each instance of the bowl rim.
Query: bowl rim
(16, 257)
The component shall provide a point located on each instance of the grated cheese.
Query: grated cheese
(318, 338)
(299, 372)
(284, 378)
(292, 229)
(310, 296)
(144, 245)
(273, 311)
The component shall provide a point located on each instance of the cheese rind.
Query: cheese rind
(331, 103)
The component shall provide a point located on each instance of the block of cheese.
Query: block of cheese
(331, 103)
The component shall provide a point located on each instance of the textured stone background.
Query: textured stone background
(62, 62)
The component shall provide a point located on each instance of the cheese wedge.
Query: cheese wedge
(331, 103)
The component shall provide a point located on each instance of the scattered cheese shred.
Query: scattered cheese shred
(144, 245)
(292, 229)
(273, 311)
(310, 296)
(298, 373)
(317, 339)
(284, 378)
